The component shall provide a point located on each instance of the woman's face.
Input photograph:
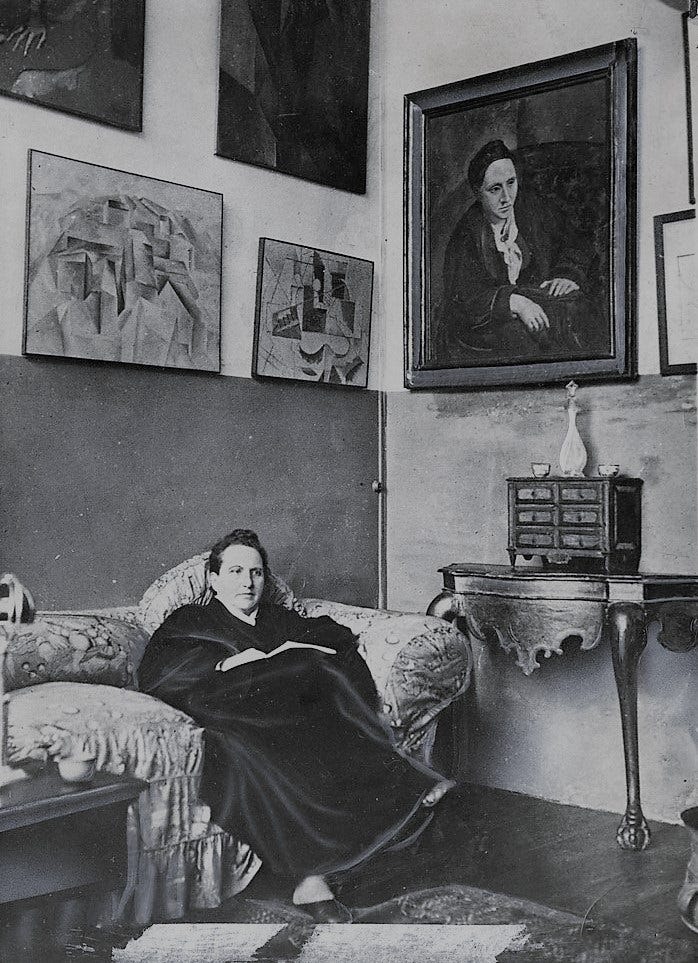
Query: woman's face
(498, 190)
(240, 581)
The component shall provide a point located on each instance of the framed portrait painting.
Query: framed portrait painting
(82, 57)
(676, 254)
(520, 224)
(121, 267)
(313, 315)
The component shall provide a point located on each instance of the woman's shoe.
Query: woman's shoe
(328, 911)
(437, 792)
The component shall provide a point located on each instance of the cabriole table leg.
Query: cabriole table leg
(626, 628)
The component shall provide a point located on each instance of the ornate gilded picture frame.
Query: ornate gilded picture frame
(520, 224)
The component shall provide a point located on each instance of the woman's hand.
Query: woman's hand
(559, 286)
(530, 313)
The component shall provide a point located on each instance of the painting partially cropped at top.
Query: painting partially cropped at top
(293, 88)
(83, 57)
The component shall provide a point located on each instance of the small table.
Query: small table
(56, 836)
(533, 610)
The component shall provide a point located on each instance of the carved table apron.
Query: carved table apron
(532, 611)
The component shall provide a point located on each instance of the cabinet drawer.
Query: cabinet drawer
(534, 539)
(580, 539)
(535, 516)
(535, 493)
(580, 516)
(580, 493)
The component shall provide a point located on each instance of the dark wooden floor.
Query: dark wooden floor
(562, 856)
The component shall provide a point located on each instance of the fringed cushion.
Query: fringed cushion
(186, 582)
(73, 648)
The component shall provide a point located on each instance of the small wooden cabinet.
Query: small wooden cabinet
(582, 522)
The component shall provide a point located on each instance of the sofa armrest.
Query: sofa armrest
(419, 663)
(124, 613)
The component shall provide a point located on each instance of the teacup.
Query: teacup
(79, 768)
(608, 471)
(540, 469)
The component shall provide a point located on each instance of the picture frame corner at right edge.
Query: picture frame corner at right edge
(676, 255)
(690, 59)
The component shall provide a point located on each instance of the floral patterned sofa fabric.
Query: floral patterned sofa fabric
(179, 860)
(420, 665)
(79, 647)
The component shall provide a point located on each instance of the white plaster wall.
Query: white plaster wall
(177, 144)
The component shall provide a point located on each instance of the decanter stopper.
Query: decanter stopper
(573, 454)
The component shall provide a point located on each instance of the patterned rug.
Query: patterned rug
(458, 923)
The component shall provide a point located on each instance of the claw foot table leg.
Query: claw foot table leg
(633, 831)
(626, 627)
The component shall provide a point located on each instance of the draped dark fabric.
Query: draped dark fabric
(298, 762)
(477, 326)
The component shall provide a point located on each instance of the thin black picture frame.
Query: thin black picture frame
(616, 64)
(210, 255)
(660, 221)
(689, 110)
(284, 371)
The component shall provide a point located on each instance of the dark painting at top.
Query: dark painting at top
(83, 57)
(293, 88)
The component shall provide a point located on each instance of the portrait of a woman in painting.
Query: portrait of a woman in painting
(516, 274)
(519, 217)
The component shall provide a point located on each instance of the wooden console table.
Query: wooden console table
(531, 611)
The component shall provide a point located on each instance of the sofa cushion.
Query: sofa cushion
(60, 647)
(127, 732)
(186, 582)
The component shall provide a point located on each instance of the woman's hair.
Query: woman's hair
(240, 536)
(490, 152)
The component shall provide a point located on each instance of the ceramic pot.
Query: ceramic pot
(688, 896)
(79, 768)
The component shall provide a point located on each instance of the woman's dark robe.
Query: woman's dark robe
(477, 325)
(297, 762)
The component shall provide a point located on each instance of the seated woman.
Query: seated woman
(515, 278)
(298, 761)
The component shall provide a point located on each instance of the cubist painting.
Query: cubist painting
(120, 267)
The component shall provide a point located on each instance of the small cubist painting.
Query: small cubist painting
(293, 88)
(313, 315)
(83, 57)
(120, 267)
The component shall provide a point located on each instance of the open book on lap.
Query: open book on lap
(253, 655)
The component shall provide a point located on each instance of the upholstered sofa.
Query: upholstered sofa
(73, 676)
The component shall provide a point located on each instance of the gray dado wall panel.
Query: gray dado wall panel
(555, 734)
(111, 475)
